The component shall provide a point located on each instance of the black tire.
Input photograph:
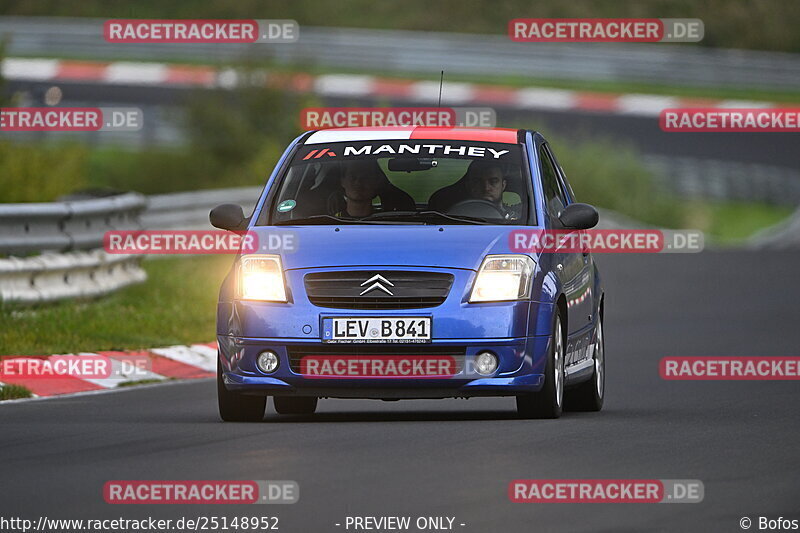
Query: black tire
(548, 402)
(295, 405)
(235, 407)
(588, 396)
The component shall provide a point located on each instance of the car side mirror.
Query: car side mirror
(228, 216)
(579, 216)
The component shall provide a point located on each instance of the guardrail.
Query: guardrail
(67, 236)
(189, 210)
(429, 52)
(691, 177)
(66, 226)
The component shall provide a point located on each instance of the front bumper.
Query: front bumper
(520, 370)
(517, 332)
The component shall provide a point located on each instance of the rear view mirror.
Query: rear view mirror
(229, 217)
(579, 216)
(411, 164)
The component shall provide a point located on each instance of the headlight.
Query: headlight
(261, 278)
(503, 278)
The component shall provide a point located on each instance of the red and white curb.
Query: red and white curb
(355, 86)
(196, 361)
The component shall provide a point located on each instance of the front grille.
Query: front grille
(296, 353)
(409, 289)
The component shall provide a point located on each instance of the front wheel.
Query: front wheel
(588, 396)
(235, 407)
(547, 403)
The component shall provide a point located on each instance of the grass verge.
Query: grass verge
(177, 305)
(13, 392)
(731, 223)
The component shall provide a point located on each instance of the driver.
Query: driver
(485, 181)
(361, 182)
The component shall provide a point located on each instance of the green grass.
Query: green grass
(176, 305)
(731, 223)
(12, 392)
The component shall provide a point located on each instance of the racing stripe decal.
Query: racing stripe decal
(359, 134)
(497, 135)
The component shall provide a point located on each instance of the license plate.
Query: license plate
(377, 329)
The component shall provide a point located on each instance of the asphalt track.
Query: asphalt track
(456, 457)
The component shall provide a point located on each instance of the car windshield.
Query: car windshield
(408, 182)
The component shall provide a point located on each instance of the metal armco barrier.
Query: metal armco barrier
(66, 226)
(49, 277)
(690, 177)
(189, 210)
(67, 236)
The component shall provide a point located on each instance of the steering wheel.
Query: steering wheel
(476, 207)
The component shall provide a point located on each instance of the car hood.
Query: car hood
(453, 246)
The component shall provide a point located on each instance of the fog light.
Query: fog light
(485, 363)
(267, 362)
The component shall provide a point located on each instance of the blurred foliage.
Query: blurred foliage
(235, 139)
(3, 43)
(39, 173)
(611, 175)
(762, 24)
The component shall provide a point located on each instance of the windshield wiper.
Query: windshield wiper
(327, 219)
(427, 215)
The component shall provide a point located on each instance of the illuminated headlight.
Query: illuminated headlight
(261, 278)
(267, 362)
(503, 278)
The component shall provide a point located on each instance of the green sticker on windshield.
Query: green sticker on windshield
(286, 205)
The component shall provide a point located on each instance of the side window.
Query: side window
(565, 185)
(553, 195)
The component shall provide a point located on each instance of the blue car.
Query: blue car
(387, 265)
